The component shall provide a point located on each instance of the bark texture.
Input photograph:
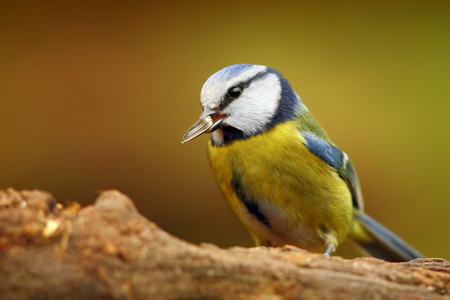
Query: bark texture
(109, 251)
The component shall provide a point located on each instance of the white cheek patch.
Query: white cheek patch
(254, 109)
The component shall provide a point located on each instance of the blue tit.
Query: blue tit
(280, 172)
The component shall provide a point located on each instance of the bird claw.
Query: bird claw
(330, 249)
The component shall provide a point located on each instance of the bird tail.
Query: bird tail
(382, 243)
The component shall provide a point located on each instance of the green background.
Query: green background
(97, 94)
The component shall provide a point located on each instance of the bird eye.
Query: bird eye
(234, 92)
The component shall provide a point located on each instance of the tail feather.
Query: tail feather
(385, 245)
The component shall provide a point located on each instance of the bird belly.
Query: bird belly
(280, 230)
(281, 192)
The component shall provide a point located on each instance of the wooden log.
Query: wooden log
(109, 251)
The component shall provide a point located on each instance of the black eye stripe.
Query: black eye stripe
(227, 99)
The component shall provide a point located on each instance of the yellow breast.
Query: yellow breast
(303, 199)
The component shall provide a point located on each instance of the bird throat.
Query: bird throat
(227, 134)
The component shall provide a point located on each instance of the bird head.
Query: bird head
(244, 99)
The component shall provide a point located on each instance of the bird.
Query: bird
(280, 173)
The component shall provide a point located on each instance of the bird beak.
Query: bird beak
(209, 121)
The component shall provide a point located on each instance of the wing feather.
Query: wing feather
(337, 159)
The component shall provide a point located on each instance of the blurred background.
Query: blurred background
(96, 95)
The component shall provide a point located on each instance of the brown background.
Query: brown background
(97, 94)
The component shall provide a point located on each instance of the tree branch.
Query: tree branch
(109, 251)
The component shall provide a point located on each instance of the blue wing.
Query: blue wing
(337, 159)
(330, 154)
